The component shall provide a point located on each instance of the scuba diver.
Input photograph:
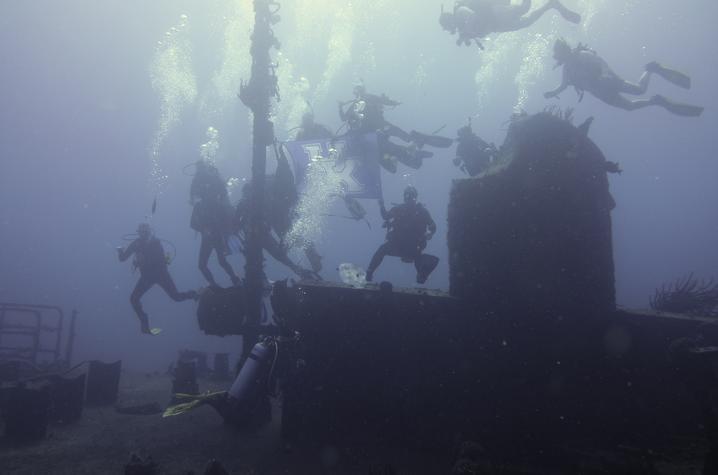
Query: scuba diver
(475, 19)
(310, 130)
(365, 114)
(282, 213)
(150, 258)
(473, 154)
(270, 369)
(409, 228)
(278, 217)
(246, 403)
(586, 71)
(211, 217)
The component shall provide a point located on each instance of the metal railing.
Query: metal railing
(34, 322)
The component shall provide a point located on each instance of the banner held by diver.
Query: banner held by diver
(355, 159)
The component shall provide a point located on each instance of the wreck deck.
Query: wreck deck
(382, 365)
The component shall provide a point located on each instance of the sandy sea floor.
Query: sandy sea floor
(102, 441)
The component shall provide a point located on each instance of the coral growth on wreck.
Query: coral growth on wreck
(687, 295)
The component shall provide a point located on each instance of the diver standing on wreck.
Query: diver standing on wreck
(151, 260)
(409, 228)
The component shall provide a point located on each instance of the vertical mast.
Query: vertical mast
(257, 95)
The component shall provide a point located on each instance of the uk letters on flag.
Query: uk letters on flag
(354, 159)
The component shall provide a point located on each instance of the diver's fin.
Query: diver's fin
(422, 154)
(431, 140)
(155, 331)
(583, 128)
(426, 263)
(315, 260)
(193, 401)
(671, 75)
(568, 15)
(411, 162)
(182, 408)
(685, 110)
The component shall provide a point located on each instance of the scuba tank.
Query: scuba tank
(247, 401)
(253, 371)
(357, 114)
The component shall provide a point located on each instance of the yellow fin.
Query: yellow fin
(181, 408)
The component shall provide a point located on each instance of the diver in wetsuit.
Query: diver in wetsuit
(151, 260)
(273, 218)
(476, 19)
(365, 114)
(211, 217)
(409, 228)
(586, 71)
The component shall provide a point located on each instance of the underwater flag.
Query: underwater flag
(355, 159)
